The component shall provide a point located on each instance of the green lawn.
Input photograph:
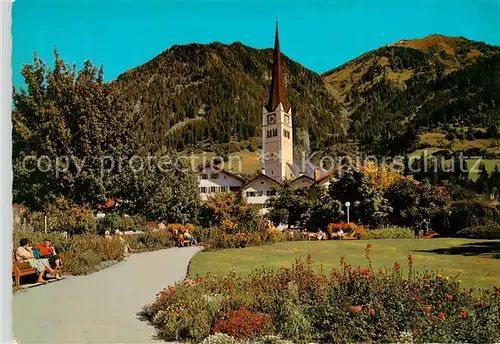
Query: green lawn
(477, 261)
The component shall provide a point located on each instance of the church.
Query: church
(277, 158)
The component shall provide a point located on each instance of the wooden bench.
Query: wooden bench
(21, 269)
(183, 242)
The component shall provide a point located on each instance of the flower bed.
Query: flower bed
(354, 304)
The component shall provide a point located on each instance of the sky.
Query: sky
(321, 35)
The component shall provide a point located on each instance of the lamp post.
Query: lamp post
(347, 204)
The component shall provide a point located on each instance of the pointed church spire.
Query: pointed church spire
(277, 93)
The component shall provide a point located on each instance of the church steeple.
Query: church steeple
(277, 92)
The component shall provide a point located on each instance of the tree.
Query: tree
(482, 180)
(170, 196)
(413, 201)
(229, 212)
(324, 210)
(368, 204)
(492, 131)
(65, 119)
(494, 180)
(290, 206)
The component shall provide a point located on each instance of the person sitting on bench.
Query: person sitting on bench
(24, 254)
(47, 251)
(188, 236)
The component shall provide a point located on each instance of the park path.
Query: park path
(100, 308)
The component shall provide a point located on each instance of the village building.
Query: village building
(212, 180)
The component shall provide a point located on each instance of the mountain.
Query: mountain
(210, 95)
(418, 83)
(205, 96)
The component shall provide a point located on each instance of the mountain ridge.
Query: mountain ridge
(217, 92)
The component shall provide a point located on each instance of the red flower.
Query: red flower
(434, 318)
(464, 315)
(449, 297)
(442, 316)
(418, 298)
(396, 266)
(357, 309)
(372, 312)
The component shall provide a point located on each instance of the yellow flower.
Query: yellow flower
(459, 281)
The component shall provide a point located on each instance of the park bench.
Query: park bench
(183, 242)
(21, 269)
(24, 269)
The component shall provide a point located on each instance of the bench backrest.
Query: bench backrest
(19, 265)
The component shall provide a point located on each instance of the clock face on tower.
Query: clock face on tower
(271, 119)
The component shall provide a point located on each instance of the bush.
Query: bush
(390, 233)
(350, 229)
(489, 231)
(242, 323)
(304, 305)
(151, 240)
(64, 216)
(113, 222)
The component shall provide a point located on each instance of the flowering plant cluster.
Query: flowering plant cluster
(350, 229)
(351, 304)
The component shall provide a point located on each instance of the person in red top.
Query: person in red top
(47, 251)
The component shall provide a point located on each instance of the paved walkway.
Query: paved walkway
(101, 307)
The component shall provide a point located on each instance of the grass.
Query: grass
(244, 162)
(488, 163)
(477, 262)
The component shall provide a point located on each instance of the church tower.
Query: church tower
(277, 134)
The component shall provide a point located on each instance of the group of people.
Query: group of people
(42, 257)
(423, 230)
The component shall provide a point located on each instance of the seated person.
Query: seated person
(47, 251)
(188, 236)
(340, 233)
(24, 254)
(319, 235)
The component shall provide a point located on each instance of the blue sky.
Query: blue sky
(121, 34)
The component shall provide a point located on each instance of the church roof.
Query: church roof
(277, 92)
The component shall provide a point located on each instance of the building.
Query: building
(277, 157)
(213, 180)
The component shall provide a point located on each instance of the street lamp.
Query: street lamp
(347, 204)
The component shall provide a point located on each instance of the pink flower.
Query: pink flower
(372, 312)
(449, 297)
(442, 316)
(418, 298)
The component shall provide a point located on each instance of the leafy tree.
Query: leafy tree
(229, 212)
(170, 195)
(67, 119)
(413, 201)
(324, 210)
(290, 206)
(368, 204)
